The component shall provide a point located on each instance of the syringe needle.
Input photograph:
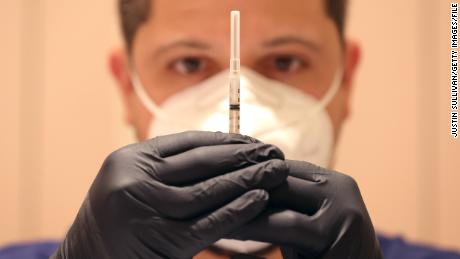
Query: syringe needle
(234, 77)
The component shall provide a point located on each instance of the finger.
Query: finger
(220, 190)
(200, 233)
(232, 216)
(180, 142)
(304, 190)
(287, 227)
(206, 162)
(307, 171)
(192, 201)
(300, 195)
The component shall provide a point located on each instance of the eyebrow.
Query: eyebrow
(275, 42)
(194, 44)
(283, 40)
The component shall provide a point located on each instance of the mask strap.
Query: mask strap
(148, 103)
(327, 98)
(330, 94)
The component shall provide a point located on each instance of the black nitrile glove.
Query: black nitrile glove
(173, 196)
(316, 213)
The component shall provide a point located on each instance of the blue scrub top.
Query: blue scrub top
(392, 248)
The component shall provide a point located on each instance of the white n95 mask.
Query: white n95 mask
(271, 111)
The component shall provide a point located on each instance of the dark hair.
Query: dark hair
(135, 12)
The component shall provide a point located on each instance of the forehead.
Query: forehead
(206, 9)
(209, 19)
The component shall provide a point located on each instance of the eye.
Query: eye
(287, 64)
(188, 65)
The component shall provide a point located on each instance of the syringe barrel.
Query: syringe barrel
(234, 103)
(234, 89)
(234, 77)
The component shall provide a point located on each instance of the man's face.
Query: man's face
(185, 42)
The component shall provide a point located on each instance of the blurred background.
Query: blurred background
(61, 115)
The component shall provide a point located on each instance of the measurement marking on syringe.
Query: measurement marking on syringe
(234, 75)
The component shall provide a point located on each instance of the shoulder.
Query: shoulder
(30, 250)
(397, 248)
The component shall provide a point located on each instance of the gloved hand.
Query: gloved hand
(173, 196)
(316, 213)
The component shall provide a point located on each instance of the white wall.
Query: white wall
(61, 115)
(397, 142)
(9, 126)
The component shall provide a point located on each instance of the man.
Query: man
(187, 194)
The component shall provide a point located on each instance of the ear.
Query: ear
(352, 57)
(118, 63)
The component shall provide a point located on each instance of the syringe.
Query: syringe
(234, 77)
